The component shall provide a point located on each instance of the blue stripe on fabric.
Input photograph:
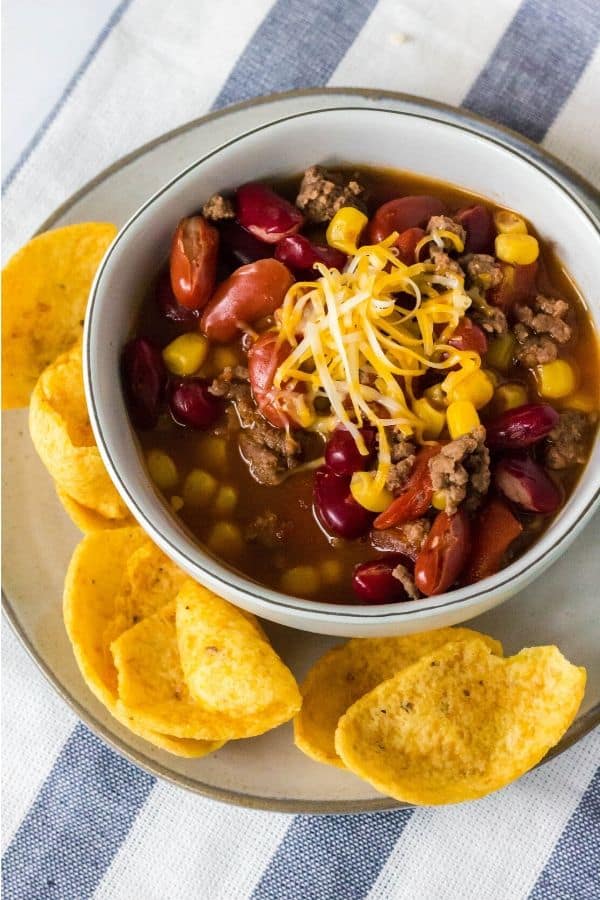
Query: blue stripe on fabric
(112, 22)
(331, 856)
(298, 44)
(573, 869)
(537, 64)
(76, 824)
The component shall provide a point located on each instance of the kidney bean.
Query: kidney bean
(403, 213)
(170, 308)
(144, 379)
(342, 455)
(468, 336)
(415, 498)
(190, 403)
(496, 529)
(264, 213)
(527, 484)
(300, 255)
(373, 581)
(335, 507)
(240, 246)
(521, 427)
(249, 294)
(193, 261)
(264, 358)
(406, 244)
(517, 285)
(444, 553)
(478, 223)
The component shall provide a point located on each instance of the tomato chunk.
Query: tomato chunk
(415, 499)
(496, 529)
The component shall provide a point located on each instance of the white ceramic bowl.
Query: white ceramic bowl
(496, 166)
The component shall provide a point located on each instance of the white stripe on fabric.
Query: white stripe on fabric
(183, 846)
(493, 848)
(36, 724)
(575, 133)
(428, 48)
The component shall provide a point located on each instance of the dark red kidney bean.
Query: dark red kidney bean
(250, 293)
(264, 358)
(444, 554)
(527, 484)
(518, 284)
(406, 245)
(469, 336)
(403, 213)
(373, 581)
(240, 246)
(342, 455)
(170, 308)
(478, 223)
(264, 213)
(335, 507)
(300, 255)
(144, 379)
(193, 261)
(521, 427)
(191, 404)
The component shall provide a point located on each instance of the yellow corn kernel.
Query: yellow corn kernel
(226, 539)
(476, 387)
(556, 379)
(583, 402)
(300, 580)
(518, 249)
(433, 418)
(462, 418)
(226, 500)
(438, 500)
(331, 571)
(162, 469)
(221, 357)
(212, 453)
(176, 502)
(185, 354)
(344, 230)
(199, 488)
(508, 222)
(509, 396)
(493, 376)
(368, 494)
(501, 351)
(436, 396)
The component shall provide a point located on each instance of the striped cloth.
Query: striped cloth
(80, 821)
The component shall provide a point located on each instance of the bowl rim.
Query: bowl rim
(309, 614)
(439, 111)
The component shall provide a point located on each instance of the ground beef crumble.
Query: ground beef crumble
(444, 264)
(567, 442)
(218, 208)
(540, 328)
(403, 459)
(445, 223)
(482, 270)
(461, 471)
(267, 529)
(406, 539)
(407, 581)
(323, 192)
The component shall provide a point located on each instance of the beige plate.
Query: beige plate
(266, 772)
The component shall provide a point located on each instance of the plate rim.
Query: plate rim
(573, 182)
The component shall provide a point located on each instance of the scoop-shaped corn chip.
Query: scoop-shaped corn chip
(45, 288)
(460, 722)
(62, 435)
(340, 677)
(154, 690)
(88, 520)
(113, 579)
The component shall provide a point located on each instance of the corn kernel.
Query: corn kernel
(226, 539)
(344, 230)
(176, 502)
(221, 357)
(509, 396)
(556, 379)
(162, 469)
(518, 249)
(433, 418)
(368, 494)
(199, 488)
(476, 387)
(508, 222)
(493, 376)
(462, 418)
(212, 453)
(436, 396)
(331, 571)
(501, 351)
(300, 580)
(185, 354)
(438, 500)
(226, 500)
(583, 402)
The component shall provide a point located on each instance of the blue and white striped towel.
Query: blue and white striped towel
(79, 821)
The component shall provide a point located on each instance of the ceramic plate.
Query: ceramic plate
(267, 772)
